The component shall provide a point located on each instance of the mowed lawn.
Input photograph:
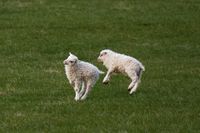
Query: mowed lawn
(36, 36)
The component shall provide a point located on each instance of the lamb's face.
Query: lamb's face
(104, 54)
(71, 60)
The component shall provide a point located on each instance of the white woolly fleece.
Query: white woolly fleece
(80, 73)
(120, 63)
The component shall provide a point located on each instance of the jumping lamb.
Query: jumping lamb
(120, 63)
(81, 75)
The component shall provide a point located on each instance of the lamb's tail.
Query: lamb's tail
(142, 67)
(101, 72)
(139, 73)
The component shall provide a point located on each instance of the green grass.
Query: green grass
(36, 35)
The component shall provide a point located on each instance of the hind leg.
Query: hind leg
(131, 85)
(134, 83)
(82, 89)
(89, 85)
(88, 89)
(134, 88)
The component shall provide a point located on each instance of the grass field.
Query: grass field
(36, 35)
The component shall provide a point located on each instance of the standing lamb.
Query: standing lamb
(81, 74)
(120, 63)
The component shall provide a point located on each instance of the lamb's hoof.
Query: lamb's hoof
(83, 98)
(105, 83)
(76, 98)
(131, 93)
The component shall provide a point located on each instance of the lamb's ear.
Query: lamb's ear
(71, 54)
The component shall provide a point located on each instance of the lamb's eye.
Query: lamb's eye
(71, 61)
(105, 53)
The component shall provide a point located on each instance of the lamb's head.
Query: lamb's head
(104, 55)
(71, 60)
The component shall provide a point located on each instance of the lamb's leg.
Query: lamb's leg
(86, 92)
(134, 88)
(107, 77)
(76, 89)
(138, 74)
(83, 89)
(133, 85)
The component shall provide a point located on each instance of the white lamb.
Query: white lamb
(80, 73)
(120, 63)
